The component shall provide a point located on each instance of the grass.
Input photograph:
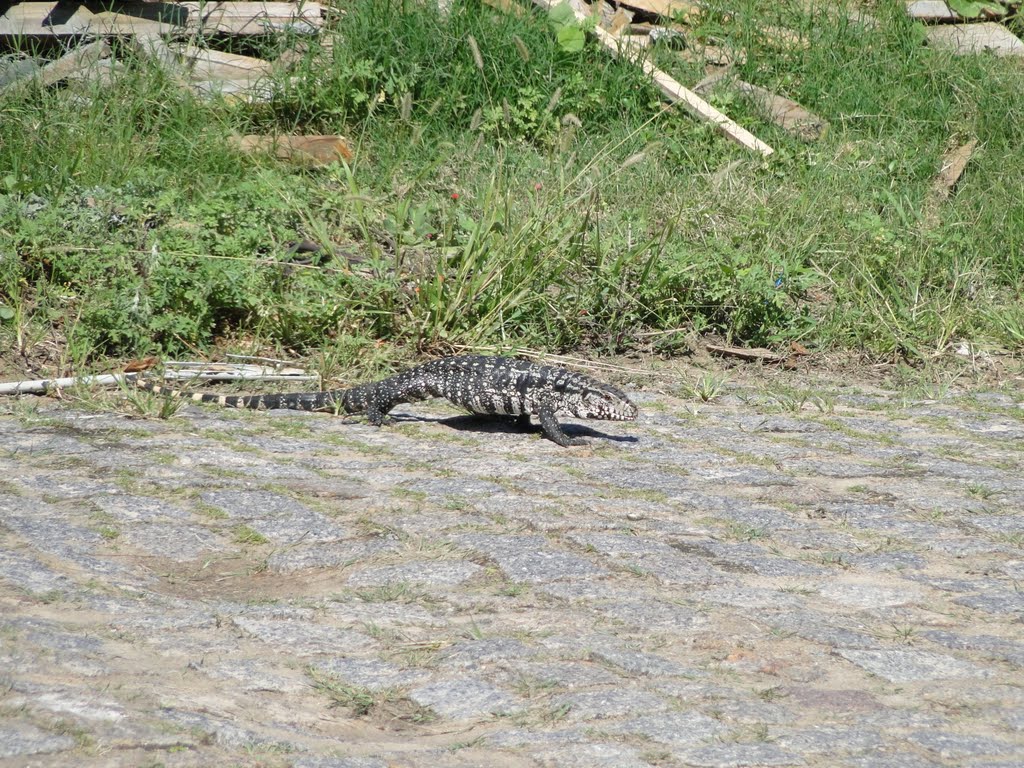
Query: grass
(505, 193)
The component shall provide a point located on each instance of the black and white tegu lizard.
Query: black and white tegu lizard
(486, 385)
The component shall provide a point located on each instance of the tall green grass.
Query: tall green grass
(505, 192)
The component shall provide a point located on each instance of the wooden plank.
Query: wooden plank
(929, 10)
(310, 150)
(68, 65)
(965, 39)
(255, 18)
(671, 88)
(213, 65)
(154, 48)
(786, 113)
(684, 10)
(750, 354)
(57, 19)
(954, 163)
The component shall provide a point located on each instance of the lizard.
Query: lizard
(491, 385)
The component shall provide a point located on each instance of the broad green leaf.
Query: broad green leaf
(561, 15)
(571, 39)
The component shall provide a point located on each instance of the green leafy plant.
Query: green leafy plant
(569, 31)
(972, 9)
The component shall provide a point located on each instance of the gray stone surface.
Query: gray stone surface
(464, 698)
(303, 638)
(676, 729)
(738, 587)
(429, 573)
(740, 756)
(910, 666)
(21, 739)
(608, 703)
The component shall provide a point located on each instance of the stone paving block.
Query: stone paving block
(340, 762)
(866, 596)
(887, 561)
(360, 613)
(839, 631)
(750, 558)
(1014, 718)
(1008, 524)
(471, 654)
(77, 653)
(739, 756)
(133, 508)
(891, 760)
(639, 663)
(526, 737)
(994, 647)
(529, 558)
(465, 699)
(431, 573)
(567, 674)
(677, 729)
(601, 705)
(912, 666)
(280, 519)
(830, 740)
(19, 739)
(182, 543)
(224, 732)
(252, 675)
(752, 597)
(66, 701)
(838, 701)
(329, 555)
(32, 576)
(370, 673)
(740, 709)
(303, 638)
(996, 601)
(651, 614)
(953, 746)
(654, 557)
(63, 486)
(591, 756)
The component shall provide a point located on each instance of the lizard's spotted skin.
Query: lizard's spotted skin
(487, 385)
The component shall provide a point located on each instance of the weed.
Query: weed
(709, 386)
(981, 491)
(744, 532)
(246, 535)
(108, 532)
(209, 511)
(396, 591)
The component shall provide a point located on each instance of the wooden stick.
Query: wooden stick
(671, 88)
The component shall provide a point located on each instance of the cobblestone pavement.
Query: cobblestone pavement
(767, 580)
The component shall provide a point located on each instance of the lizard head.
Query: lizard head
(602, 401)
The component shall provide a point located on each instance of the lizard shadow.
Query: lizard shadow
(481, 423)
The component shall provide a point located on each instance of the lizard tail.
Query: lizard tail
(295, 401)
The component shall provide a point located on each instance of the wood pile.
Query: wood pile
(179, 36)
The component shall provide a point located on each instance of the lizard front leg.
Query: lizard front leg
(553, 430)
